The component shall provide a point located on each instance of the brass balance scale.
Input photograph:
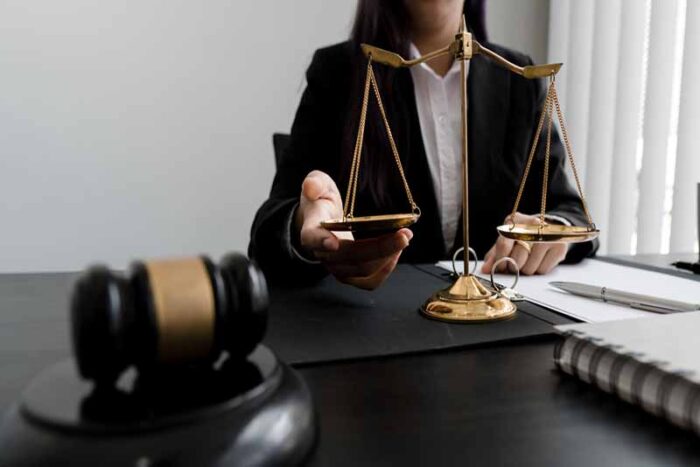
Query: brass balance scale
(467, 299)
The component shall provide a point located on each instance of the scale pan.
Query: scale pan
(554, 233)
(378, 224)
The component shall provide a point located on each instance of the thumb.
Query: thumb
(312, 189)
(318, 185)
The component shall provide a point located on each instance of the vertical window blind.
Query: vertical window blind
(630, 90)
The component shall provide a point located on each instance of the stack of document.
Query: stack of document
(599, 273)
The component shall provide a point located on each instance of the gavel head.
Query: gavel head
(166, 313)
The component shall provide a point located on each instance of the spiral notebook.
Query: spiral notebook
(651, 362)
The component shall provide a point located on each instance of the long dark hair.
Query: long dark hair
(385, 24)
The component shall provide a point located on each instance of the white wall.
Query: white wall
(143, 128)
(520, 24)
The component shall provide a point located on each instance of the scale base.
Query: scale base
(468, 301)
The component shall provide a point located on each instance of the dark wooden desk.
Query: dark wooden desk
(490, 405)
(494, 405)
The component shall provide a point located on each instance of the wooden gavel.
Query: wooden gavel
(165, 314)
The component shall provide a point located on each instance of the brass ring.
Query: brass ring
(517, 273)
(525, 245)
(472, 252)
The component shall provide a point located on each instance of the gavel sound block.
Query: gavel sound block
(168, 371)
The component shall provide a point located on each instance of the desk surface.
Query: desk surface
(498, 404)
(658, 263)
(493, 405)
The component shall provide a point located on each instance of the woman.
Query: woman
(424, 113)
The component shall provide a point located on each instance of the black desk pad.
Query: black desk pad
(332, 322)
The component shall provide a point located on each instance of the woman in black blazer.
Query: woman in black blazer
(287, 240)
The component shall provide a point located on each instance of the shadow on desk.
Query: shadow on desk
(332, 322)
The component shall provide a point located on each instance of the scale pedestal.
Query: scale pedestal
(468, 300)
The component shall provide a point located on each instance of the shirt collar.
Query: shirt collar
(415, 53)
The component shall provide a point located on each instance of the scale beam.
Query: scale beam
(529, 72)
(395, 60)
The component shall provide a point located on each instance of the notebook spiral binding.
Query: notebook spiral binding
(648, 384)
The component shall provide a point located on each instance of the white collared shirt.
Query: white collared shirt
(439, 112)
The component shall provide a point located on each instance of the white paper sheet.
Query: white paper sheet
(600, 273)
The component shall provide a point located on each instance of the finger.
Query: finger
(369, 274)
(502, 247)
(554, 256)
(315, 238)
(320, 241)
(359, 251)
(533, 262)
(376, 279)
(364, 269)
(312, 235)
(519, 255)
(488, 260)
(521, 218)
(347, 241)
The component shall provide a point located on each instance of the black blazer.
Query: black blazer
(503, 114)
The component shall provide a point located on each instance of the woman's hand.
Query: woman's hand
(540, 259)
(362, 263)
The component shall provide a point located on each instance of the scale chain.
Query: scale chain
(550, 105)
(349, 206)
(547, 153)
(394, 150)
(531, 156)
(570, 155)
(351, 194)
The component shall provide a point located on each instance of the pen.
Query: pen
(633, 300)
(695, 267)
